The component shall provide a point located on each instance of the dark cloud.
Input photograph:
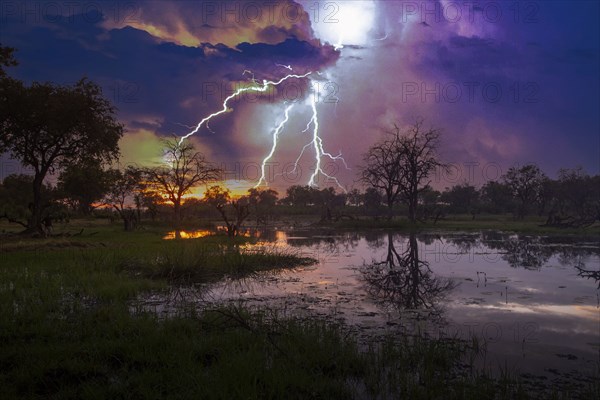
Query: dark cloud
(165, 64)
(151, 78)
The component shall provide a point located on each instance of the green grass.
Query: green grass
(533, 225)
(69, 330)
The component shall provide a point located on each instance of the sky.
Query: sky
(508, 83)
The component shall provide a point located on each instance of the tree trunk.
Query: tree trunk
(390, 204)
(35, 221)
(413, 203)
(177, 210)
(129, 221)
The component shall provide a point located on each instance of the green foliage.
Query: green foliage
(462, 199)
(82, 185)
(48, 127)
(16, 199)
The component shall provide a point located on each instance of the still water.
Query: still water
(534, 300)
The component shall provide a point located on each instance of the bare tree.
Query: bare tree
(401, 164)
(122, 186)
(233, 211)
(405, 281)
(381, 169)
(183, 168)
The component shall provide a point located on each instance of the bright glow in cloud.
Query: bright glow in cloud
(343, 22)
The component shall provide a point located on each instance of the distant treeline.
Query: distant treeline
(73, 133)
(573, 199)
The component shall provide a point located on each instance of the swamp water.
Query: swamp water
(532, 301)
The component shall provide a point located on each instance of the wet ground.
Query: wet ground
(533, 300)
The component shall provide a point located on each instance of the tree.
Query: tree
(574, 199)
(6, 59)
(262, 202)
(83, 185)
(525, 184)
(401, 163)
(150, 200)
(354, 197)
(183, 169)
(431, 207)
(404, 280)
(16, 201)
(372, 200)
(462, 199)
(496, 197)
(381, 169)
(330, 202)
(233, 212)
(297, 195)
(122, 186)
(48, 127)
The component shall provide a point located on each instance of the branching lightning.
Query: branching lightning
(256, 88)
(276, 133)
(284, 66)
(316, 142)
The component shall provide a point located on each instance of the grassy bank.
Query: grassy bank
(532, 225)
(68, 330)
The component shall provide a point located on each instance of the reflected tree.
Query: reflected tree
(589, 274)
(526, 253)
(404, 281)
(519, 251)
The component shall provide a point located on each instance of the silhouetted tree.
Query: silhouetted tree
(431, 204)
(233, 211)
(496, 197)
(400, 165)
(462, 199)
(354, 197)
(525, 183)
(262, 202)
(372, 200)
(382, 169)
(6, 59)
(183, 168)
(573, 199)
(47, 127)
(122, 186)
(82, 185)
(16, 199)
(299, 196)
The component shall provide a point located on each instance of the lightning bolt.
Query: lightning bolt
(316, 142)
(255, 88)
(276, 133)
(284, 66)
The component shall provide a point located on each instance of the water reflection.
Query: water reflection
(589, 274)
(533, 299)
(404, 281)
(180, 234)
(526, 251)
